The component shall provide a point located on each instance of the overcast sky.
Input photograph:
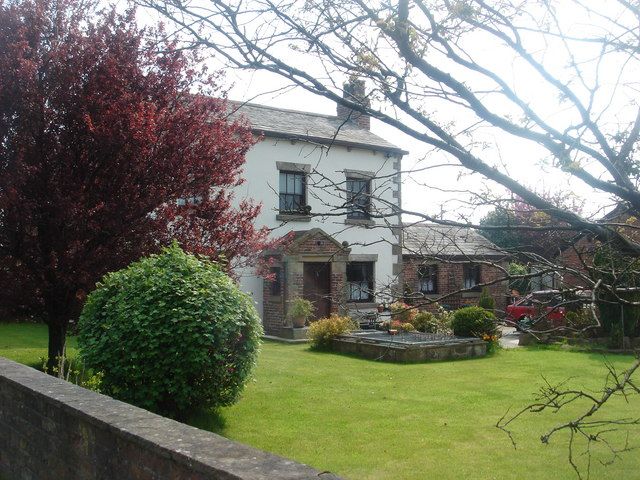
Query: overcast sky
(445, 189)
(435, 191)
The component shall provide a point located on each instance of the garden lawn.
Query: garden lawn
(27, 343)
(368, 420)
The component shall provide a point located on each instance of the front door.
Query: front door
(317, 287)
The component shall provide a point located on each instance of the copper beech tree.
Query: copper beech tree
(106, 154)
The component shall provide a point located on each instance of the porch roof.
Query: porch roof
(296, 238)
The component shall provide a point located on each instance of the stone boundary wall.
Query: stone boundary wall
(52, 429)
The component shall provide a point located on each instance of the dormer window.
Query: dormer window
(292, 191)
(359, 198)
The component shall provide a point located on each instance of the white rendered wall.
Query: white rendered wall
(326, 178)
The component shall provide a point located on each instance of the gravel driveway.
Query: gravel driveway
(510, 337)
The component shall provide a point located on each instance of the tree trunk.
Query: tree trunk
(57, 339)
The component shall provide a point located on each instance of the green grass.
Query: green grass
(27, 343)
(368, 420)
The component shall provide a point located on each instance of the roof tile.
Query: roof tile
(446, 241)
(310, 126)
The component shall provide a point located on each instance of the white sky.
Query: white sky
(423, 191)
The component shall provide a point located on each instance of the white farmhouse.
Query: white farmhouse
(316, 176)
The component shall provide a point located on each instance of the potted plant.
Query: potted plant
(300, 310)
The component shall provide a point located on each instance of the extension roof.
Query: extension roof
(314, 127)
(436, 240)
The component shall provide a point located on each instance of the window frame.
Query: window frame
(359, 213)
(430, 271)
(189, 201)
(469, 270)
(369, 270)
(302, 195)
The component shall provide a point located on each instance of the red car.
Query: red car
(537, 305)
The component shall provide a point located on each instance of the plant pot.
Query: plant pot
(298, 322)
(392, 331)
(380, 308)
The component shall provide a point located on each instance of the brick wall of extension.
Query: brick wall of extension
(577, 258)
(450, 279)
(579, 255)
(273, 306)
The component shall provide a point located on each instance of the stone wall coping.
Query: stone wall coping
(200, 451)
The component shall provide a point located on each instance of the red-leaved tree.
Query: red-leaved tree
(100, 136)
(546, 238)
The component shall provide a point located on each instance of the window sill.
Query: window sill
(360, 222)
(353, 305)
(293, 217)
(470, 294)
(430, 295)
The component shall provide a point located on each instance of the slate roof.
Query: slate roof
(446, 241)
(297, 125)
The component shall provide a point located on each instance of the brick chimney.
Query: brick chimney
(353, 90)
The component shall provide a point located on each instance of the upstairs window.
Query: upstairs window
(471, 275)
(360, 281)
(359, 198)
(428, 278)
(292, 191)
(194, 200)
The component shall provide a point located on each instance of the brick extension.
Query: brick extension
(450, 279)
(579, 255)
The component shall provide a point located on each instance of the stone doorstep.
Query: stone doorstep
(293, 333)
(288, 333)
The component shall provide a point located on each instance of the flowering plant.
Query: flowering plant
(402, 312)
(492, 342)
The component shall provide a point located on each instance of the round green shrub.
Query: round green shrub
(170, 333)
(406, 327)
(428, 322)
(473, 322)
(425, 322)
